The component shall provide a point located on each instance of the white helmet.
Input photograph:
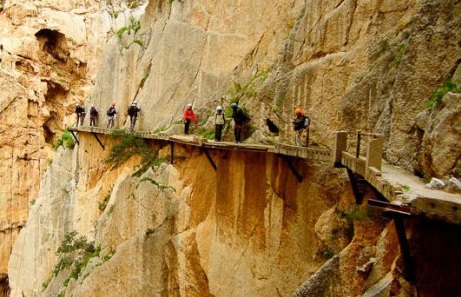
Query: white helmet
(218, 108)
(189, 105)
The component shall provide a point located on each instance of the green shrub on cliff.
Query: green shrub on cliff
(66, 140)
(131, 143)
(437, 95)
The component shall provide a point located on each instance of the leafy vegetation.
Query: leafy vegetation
(206, 133)
(75, 252)
(249, 88)
(437, 95)
(400, 54)
(155, 183)
(131, 144)
(327, 253)
(406, 188)
(138, 42)
(356, 214)
(66, 140)
(132, 3)
(134, 26)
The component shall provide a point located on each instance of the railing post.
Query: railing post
(375, 152)
(340, 146)
(357, 153)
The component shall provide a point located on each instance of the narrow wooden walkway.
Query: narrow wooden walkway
(400, 191)
(310, 153)
(405, 192)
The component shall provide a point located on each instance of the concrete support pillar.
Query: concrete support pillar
(375, 153)
(340, 146)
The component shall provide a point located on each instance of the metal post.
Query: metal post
(210, 159)
(298, 176)
(408, 265)
(355, 188)
(75, 137)
(99, 141)
(357, 154)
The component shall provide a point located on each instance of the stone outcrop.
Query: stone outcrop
(50, 52)
(170, 231)
(249, 228)
(441, 132)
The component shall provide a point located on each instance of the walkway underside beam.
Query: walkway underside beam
(75, 137)
(207, 154)
(99, 141)
(397, 213)
(298, 176)
(355, 187)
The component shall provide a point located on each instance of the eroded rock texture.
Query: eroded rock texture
(248, 229)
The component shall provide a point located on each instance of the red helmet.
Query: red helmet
(298, 111)
(113, 104)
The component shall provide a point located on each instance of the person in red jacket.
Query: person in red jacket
(188, 116)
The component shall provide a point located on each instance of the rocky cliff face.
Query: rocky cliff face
(352, 65)
(50, 52)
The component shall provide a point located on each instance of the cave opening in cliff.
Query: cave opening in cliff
(53, 43)
(55, 99)
(4, 285)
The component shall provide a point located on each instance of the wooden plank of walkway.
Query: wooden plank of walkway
(400, 186)
(312, 153)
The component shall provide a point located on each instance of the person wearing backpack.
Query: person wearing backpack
(188, 116)
(111, 115)
(307, 124)
(219, 121)
(80, 112)
(133, 113)
(298, 125)
(94, 113)
(240, 119)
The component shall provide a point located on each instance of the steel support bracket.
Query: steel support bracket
(298, 176)
(397, 213)
(355, 189)
(75, 136)
(99, 141)
(210, 159)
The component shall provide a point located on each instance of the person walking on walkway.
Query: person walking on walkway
(94, 113)
(133, 113)
(80, 112)
(240, 118)
(111, 115)
(188, 116)
(300, 123)
(219, 121)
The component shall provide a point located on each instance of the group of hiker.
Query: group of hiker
(301, 122)
(111, 113)
(238, 115)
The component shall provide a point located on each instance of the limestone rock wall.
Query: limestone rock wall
(354, 64)
(177, 230)
(50, 52)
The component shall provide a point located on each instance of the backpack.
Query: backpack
(94, 112)
(111, 111)
(299, 123)
(307, 122)
(132, 110)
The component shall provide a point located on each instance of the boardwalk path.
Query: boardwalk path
(311, 153)
(395, 185)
